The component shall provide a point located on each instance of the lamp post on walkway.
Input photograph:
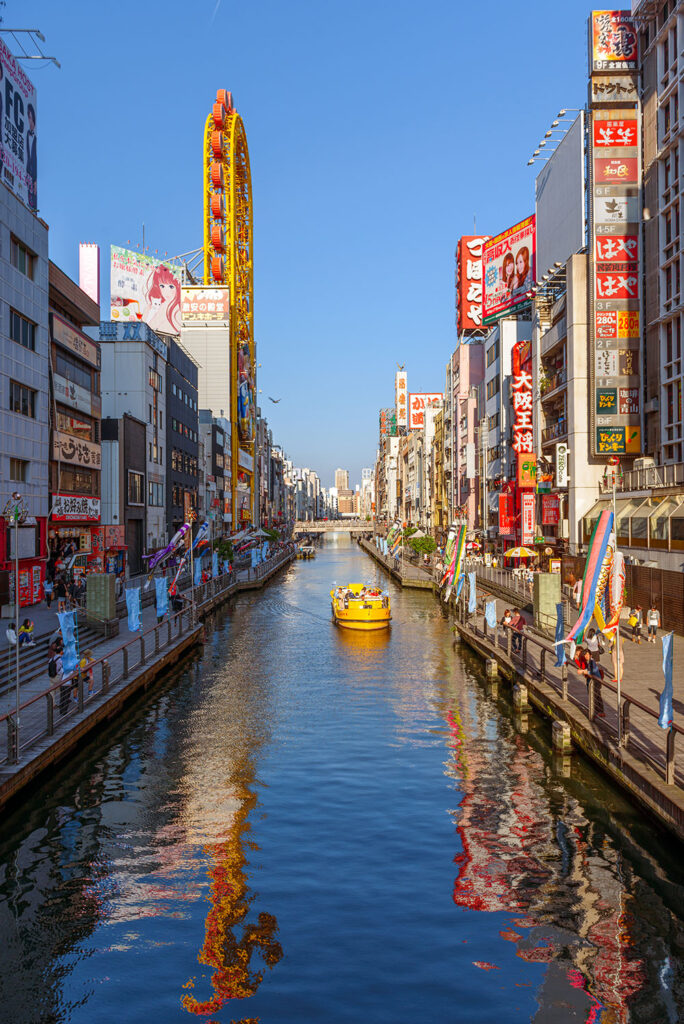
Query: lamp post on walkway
(16, 513)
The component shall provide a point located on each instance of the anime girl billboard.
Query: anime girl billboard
(144, 289)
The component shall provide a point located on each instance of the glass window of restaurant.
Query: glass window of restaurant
(659, 523)
(638, 524)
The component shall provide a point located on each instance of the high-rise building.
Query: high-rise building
(342, 479)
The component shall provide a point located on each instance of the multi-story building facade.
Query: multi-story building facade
(342, 479)
(76, 525)
(182, 431)
(134, 362)
(466, 374)
(215, 435)
(124, 490)
(24, 346)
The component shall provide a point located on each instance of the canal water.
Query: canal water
(304, 825)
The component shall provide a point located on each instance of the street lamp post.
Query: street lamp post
(16, 513)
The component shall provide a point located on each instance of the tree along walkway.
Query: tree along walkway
(642, 683)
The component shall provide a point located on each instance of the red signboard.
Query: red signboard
(550, 509)
(616, 133)
(616, 285)
(506, 517)
(114, 537)
(527, 501)
(617, 248)
(469, 281)
(521, 391)
(610, 169)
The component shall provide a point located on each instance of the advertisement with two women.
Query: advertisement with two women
(509, 270)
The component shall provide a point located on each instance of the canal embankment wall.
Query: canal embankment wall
(55, 721)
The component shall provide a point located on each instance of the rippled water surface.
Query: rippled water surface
(304, 825)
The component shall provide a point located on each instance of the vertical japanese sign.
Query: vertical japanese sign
(506, 515)
(18, 126)
(469, 282)
(401, 397)
(508, 270)
(527, 523)
(521, 394)
(615, 201)
(613, 42)
(550, 510)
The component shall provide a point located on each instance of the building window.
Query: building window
(173, 389)
(18, 470)
(492, 387)
(155, 494)
(493, 352)
(155, 380)
(22, 331)
(161, 420)
(22, 399)
(22, 258)
(73, 370)
(136, 488)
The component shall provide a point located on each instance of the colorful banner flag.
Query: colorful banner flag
(133, 606)
(226, 565)
(68, 627)
(472, 597)
(162, 596)
(665, 717)
(598, 547)
(560, 629)
(197, 572)
(214, 564)
(490, 614)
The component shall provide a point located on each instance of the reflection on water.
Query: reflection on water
(354, 811)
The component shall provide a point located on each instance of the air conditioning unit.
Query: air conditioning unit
(646, 462)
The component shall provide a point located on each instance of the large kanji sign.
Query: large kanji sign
(469, 281)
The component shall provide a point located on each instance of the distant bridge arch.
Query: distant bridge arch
(333, 526)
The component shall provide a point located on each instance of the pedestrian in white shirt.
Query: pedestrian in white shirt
(653, 622)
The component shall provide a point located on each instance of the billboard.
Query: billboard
(508, 270)
(401, 397)
(522, 399)
(18, 148)
(613, 44)
(469, 282)
(388, 422)
(418, 403)
(143, 288)
(615, 318)
(559, 200)
(550, 510)
(202, 303)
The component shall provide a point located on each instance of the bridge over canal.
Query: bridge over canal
(333, 526)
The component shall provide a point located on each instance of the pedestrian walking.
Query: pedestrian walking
(518, 624)
(653, 623)
(48, 587)
(60, 594)
(635, 620)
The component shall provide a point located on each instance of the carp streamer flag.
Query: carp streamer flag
(595, 559)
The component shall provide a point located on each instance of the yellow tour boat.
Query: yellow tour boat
(360, 606)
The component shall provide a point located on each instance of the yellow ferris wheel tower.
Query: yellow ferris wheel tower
(228, 261)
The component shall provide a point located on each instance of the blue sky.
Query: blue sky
(377, 131)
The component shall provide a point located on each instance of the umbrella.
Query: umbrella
(520, 552)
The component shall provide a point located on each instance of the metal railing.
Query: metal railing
(535, 658)
(72, 694)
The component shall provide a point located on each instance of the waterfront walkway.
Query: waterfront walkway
(55, 715)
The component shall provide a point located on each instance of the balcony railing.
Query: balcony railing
(648, 478)
(552, 383)
(557, 429)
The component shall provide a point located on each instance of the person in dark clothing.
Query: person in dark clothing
(594, 671)
(518, 624)
(60, 594)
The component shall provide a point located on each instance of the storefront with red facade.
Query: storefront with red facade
(32, 555)
(75, 530)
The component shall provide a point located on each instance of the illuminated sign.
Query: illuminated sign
(469, 281)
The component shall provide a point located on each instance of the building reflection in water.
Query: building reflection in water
(520, 855)
(220, 796)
